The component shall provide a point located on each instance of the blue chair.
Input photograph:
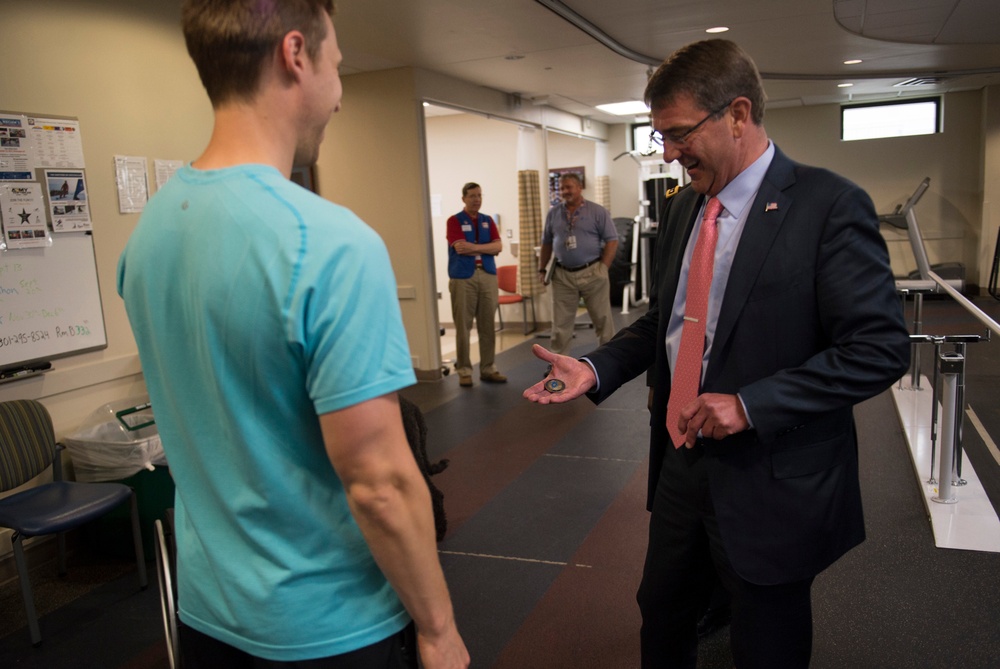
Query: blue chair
(27, 448)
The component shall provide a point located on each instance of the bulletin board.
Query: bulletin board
(50, 298)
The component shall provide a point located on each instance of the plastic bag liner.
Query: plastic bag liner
(119, 440)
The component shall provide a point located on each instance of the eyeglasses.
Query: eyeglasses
(679, 140)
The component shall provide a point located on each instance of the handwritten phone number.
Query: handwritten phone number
(24, 338)
(36, 336)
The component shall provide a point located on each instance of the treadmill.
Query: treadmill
(920, 280)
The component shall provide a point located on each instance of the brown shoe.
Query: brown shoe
(465, 381)
(494, 377)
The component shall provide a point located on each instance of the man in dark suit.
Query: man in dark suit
(755, 473)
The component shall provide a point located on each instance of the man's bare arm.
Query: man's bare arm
(390, 501)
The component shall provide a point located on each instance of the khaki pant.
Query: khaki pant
(594, 286)
(474, 298)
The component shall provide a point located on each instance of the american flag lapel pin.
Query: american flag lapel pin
(771, 206)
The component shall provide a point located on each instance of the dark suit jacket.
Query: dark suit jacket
(809, 326)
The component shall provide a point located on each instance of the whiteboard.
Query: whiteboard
(50, 301)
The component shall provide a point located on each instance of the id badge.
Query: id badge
(571, 242)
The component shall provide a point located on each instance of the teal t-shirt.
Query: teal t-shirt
(257, 305)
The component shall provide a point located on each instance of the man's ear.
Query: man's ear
(294, 58)
(740, 110)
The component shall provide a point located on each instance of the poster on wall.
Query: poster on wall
(165, 169)
(56, 142)
(17, 160)
(68, 205)
(133, 184)
(555, 173)
(23, 213)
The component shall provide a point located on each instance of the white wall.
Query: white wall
(624, 174)
(123, 70)
(949, 214)
(440, 88)
(373, 162)
(383, 176)
(990, 227)
(470, 147)
(568, 151)
(463, 148)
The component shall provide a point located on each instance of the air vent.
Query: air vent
(921, 81)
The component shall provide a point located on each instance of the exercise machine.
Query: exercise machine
(905, 218)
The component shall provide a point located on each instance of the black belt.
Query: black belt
(577, 269)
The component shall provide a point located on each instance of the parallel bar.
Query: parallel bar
(949, 363)
(965, 302)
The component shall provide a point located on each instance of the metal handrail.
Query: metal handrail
(954, 382)
(980, 315)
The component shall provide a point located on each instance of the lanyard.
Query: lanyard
(571, 217)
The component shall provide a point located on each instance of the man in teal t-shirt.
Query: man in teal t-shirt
(272, 344)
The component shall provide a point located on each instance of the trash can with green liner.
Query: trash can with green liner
(119, 442)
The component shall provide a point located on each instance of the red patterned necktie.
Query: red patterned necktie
(687, 370)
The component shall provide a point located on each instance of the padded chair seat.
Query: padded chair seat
(59, 506)
(27, 448)
(507, 282)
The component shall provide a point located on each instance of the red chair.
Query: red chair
(507, 282)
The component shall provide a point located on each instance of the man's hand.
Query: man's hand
(443, 652)
(714, 415)
(578, 377)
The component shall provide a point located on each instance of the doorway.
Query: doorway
(464, 147)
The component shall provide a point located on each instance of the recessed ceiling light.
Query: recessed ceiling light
(717, 29)
(630, 108)
(844, 85)
(854, 61)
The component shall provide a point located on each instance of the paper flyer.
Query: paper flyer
(165, 169)
(23, 212)
(133, 184)
(17, 160)
(69, 208)
(56, 142)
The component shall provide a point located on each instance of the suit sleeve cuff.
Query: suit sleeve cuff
(745, 412)
(597, 387)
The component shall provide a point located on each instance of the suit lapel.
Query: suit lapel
(767, 215)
